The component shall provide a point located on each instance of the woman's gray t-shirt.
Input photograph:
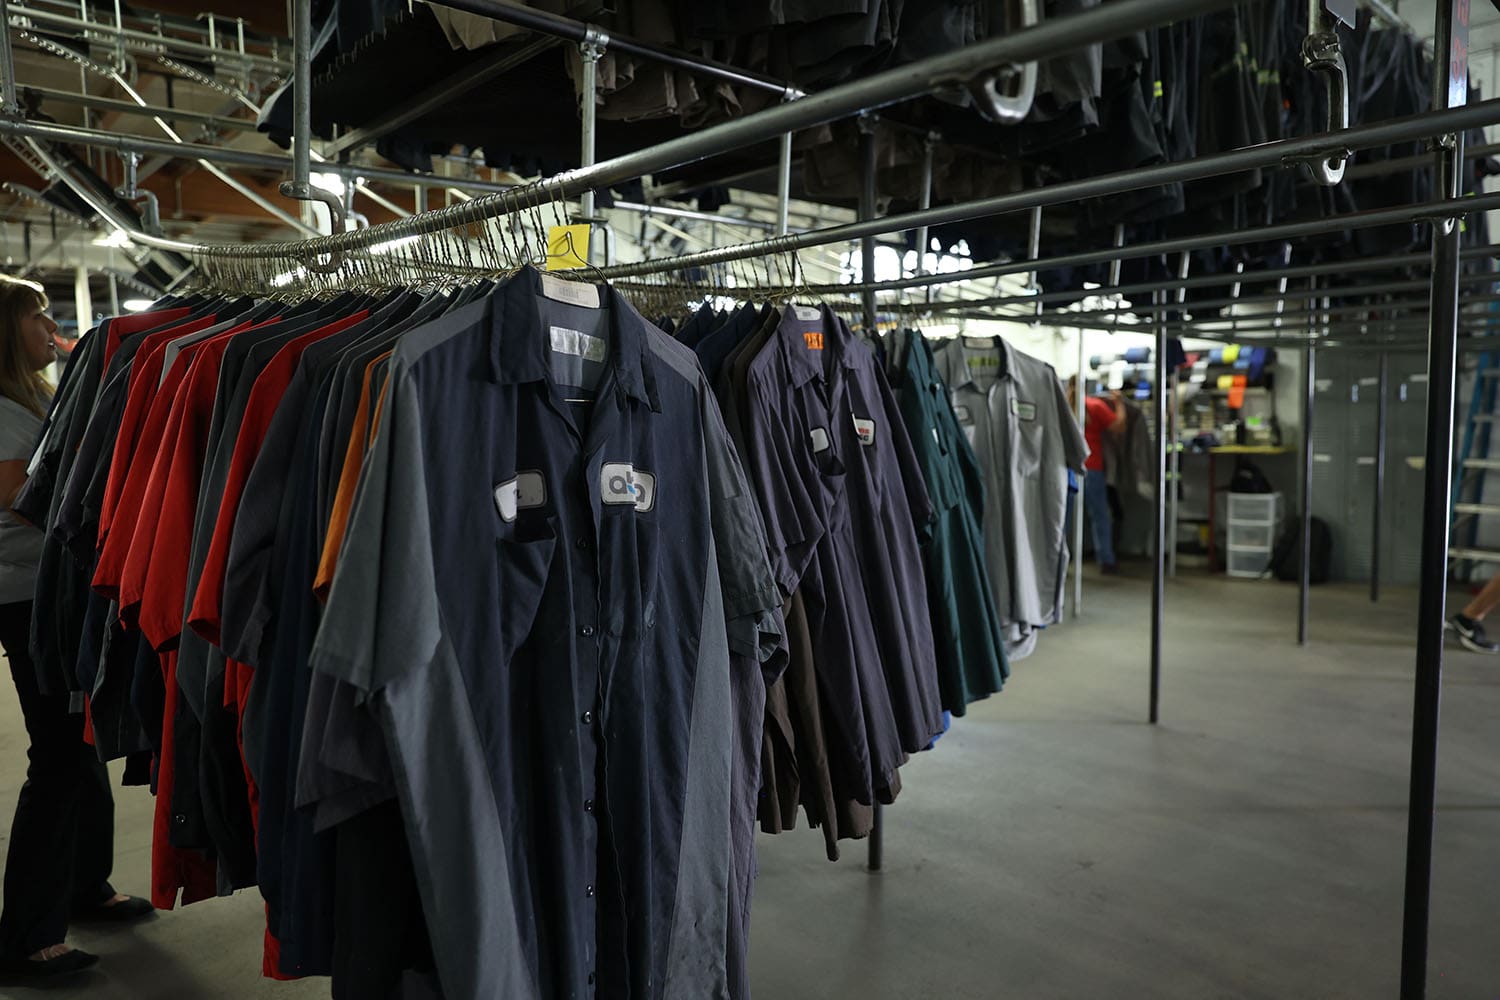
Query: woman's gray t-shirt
(20, 543)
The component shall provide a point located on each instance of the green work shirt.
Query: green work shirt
(966, 629)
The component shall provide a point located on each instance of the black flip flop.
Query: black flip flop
(67, 964)
(126, 910)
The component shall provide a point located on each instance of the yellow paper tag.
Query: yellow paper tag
(567, 247)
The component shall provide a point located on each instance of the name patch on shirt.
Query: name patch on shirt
(814, 341)
(573, 293)
(525, 491)
(578, 344)
(866, 431)
(622, 483)
(819, 437)
(807, 314)
(1022, 410)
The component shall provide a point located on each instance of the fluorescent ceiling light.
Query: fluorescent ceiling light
(137, 305)
(113, 238)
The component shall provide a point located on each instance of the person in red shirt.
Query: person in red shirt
(1101, 416)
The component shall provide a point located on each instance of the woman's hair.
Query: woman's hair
(19, 381)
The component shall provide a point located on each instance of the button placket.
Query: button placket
(587, 653)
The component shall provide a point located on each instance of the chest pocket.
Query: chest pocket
(629, 568)
(1028, 433)
(524, 558)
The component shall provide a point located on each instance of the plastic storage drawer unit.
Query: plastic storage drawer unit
(1247, 563)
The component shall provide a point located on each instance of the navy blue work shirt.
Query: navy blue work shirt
(539, 598)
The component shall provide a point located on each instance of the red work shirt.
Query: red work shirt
(156, 568)
(135, 474)
(128, 326)
(1097, 418)
(205, 615)
(145, 374)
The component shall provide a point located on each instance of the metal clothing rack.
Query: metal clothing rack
(1446, 123)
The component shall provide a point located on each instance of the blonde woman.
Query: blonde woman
(62, 839)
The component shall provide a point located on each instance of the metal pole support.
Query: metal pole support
(1450, 87)
(1159, 571)
(590, 51)
(1080, 412)
(929, 150)
(300, 186)
(1304, 575)
(784, 185)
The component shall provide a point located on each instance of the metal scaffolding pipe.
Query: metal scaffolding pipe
(143, 110)
(143, 41)
(1159, 515)
(1267, 154)
(1449, 87)
(868, 93)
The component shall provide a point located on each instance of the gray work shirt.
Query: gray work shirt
(534, 601)
(1015, 413)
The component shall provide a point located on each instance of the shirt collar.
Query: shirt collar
(518, 350)
(956, 367)
(805, 364)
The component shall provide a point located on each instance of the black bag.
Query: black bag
(1249, 479)
(1286, 557)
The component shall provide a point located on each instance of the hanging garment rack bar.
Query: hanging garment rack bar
(1331, 268)
(625, 167)
(1356, 220)
(1201, 311)
(1269, 154)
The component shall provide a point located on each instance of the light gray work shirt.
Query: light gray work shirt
(1015, 413)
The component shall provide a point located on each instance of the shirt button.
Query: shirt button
(586, 630)
(588, 891)
(591, 979)
(582, 543)
(588, 805)
(588, 718)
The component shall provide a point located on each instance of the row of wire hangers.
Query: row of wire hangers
(497, 248)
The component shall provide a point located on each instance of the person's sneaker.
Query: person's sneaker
(1471, 634)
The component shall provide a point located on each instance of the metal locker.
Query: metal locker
(1406, 433)
(1330, 449)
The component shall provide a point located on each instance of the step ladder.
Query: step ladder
(1469, 472)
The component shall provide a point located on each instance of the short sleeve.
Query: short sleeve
(382, 618)
(19, 430)
(1075, 448)
(752, 600)
(791, 514)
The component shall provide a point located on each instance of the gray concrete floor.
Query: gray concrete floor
(1056, 846)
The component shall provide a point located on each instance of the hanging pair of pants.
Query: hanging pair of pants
(62, 837)
(1101, 520)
